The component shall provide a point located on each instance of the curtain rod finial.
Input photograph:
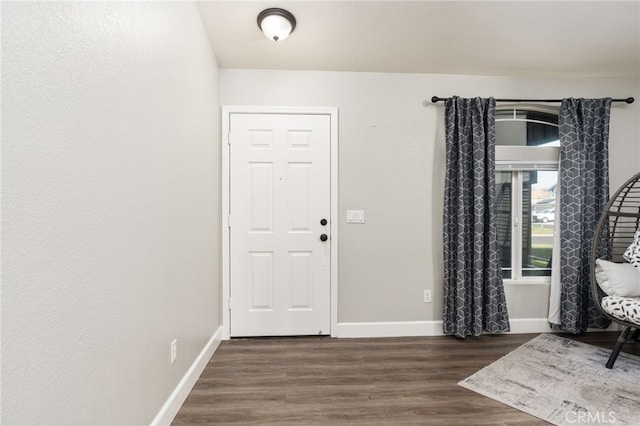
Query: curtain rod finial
(629, 100)
(435, 99)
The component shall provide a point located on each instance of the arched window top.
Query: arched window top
(527, 127)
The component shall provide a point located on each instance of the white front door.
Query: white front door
(280, 224)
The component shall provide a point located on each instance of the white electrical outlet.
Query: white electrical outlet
(174, 350)
(427, 296)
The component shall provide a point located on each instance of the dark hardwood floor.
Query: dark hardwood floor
(385, 381)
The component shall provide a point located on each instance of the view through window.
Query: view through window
(526, 183)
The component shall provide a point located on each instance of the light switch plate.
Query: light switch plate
(355, 216)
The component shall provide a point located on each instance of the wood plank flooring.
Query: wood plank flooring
(386, 381)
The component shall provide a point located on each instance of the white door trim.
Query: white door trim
(225, 178)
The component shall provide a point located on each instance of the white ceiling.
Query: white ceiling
(530, 38)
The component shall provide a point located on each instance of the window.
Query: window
(527, 153)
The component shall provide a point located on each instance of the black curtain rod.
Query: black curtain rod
(630, 100)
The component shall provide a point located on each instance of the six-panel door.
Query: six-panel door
(280, 194)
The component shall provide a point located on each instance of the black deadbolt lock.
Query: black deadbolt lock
(323, 222)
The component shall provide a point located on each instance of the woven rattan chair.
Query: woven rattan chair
(614, 233)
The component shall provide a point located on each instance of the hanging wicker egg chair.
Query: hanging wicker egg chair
(613, 236)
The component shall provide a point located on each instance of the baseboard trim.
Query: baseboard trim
(389, 329)
(170, 408)
(425, 328)
(530, 325)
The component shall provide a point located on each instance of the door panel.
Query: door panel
(261, 285)
(280, 191)
(301, 279)
(261, 201)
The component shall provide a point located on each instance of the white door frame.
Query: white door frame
(225, 178)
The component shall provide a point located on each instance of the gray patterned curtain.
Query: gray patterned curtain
(584, 192)
(474, 294)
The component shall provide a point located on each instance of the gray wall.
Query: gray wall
(110, 198)
(110, 207)
(391, 164)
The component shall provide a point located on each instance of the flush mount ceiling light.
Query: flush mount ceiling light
(276, 24)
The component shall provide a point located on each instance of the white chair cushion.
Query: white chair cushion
(624, 308)
(618, 279)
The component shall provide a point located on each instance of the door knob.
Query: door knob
(324, 237)
(323, 222)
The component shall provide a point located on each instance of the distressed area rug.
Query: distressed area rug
(564, 382)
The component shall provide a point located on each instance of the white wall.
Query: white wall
(391, 164)
(110, 207)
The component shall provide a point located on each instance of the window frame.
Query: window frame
(518, 160)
